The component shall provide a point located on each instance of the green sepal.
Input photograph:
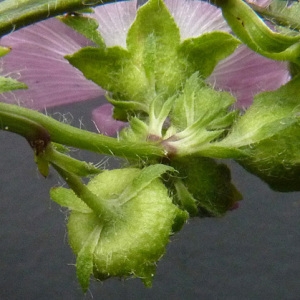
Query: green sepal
(206, 185)
(199, 103)
(86, 26)
(294, 69)
(95, 62)
(204, 52)
(153, 40)
(194, 115)
(9, 84)
(155, 62)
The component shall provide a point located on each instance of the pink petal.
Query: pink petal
(114, 21)
(246, 73)
(195, 17)
(104, 121)
(37, 58)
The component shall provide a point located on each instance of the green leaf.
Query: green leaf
(85, 258)
(8, 84)
(86, 26)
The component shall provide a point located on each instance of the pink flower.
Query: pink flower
(37, 58)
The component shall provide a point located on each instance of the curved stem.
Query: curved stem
(20, 117)
(15, 14)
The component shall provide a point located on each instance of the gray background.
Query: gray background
(251, 253)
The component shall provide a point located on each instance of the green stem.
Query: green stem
(70, 164)
(15, 14)
(37, 136)
(90, 199)
(13, 117)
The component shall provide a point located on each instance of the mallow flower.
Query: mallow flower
(37, 58)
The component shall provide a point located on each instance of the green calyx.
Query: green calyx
(155, 62)
(186, 123)
(130, 243)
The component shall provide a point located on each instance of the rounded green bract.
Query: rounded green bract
(133, 241)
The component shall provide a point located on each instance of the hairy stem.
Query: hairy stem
(15, 14)
(13, 117)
